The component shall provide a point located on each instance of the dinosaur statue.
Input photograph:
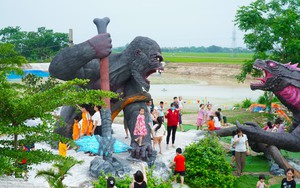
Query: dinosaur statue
(128, 69)
(284, 81)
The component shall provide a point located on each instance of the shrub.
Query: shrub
(263, 99)
(206, 165)
(246, 103)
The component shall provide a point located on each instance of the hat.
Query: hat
(111, 181)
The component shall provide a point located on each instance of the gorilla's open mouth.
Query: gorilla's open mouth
(155, 66)
(158, 70)
(145, 67)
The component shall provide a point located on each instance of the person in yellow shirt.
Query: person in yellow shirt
(87, 124)
(76, 128)
(62, 148)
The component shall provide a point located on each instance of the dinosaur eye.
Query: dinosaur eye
(272, 64)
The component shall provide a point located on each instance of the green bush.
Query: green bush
(263, 99)
(246, 103)
(206, 165)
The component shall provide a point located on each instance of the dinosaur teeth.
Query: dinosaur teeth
(257, 68)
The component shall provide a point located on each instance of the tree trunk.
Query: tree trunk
(16, 141)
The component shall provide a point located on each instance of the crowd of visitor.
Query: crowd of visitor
(213, 119)
(89, 123)
(277, 127)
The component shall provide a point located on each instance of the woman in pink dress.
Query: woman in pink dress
(140, 129)
(209, 111)
(201, 118)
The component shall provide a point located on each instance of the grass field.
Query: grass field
(227, 58)
(243, 116)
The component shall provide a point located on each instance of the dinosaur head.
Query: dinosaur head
(276, 75)
(145, 59)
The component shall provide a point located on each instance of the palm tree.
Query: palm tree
(55, 176)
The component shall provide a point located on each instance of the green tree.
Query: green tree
(273, 32)
(206, 165)
(10, 60)
(42, 44)
(214, 49)
(13, 35)
(55, 176)
(28, 100)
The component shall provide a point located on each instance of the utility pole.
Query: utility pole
(233, 45)
(71, 37)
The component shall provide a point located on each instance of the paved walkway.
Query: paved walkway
(11, 182)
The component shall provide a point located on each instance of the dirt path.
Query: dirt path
(211, 73)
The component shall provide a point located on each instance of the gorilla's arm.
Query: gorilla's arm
(80, 61)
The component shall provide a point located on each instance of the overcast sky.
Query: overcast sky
(172, 23)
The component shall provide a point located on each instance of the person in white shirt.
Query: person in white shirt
(159, 132)
(160, 110)
(276, 126)
(217, 120)
(97, 129)
(241, 151)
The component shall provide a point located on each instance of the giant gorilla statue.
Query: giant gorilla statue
(128, 72)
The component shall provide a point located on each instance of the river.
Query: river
(198, 93)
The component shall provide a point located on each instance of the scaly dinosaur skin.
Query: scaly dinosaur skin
(284, 81)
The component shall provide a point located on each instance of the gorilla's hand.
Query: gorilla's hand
(101, 44)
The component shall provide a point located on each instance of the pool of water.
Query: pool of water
(197, 93)
(35, 72)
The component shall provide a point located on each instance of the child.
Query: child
(140, 129)
(289, 181)
(211, 124)
(209, 111)
(76, 128)
(222, 117)
(261, 183)
(268, 127)
(159, 132)
(201, 117)
(232, 149)
(276, 126)
(179, 162)
(62, 148)
(217, 120)
(139, 178)
(110, 182)
(23, 163)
